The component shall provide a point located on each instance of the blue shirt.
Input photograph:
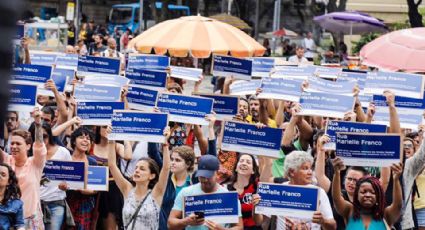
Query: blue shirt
(194, 190)
(12, 214)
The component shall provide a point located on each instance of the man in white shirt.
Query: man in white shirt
(298, 58)
(310, 46)
(112, 52)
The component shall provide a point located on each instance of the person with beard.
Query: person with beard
(207, 175)
(97, 47)
(258, 112)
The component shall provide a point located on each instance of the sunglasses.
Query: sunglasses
(408, 146)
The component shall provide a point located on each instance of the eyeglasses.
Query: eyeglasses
(350, 179)
(408, 146)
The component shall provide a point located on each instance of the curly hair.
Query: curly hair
(294, 160)
(379, 208)
(12, 190)
(187, 154)
(81, 131)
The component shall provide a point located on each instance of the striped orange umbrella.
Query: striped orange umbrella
(196, 36)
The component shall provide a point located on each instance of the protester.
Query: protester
(29, 169)
(367, 210)
(207, 175)
(81, 202)
(97, 47)
(11, 207)
(299, 58)
(143, 200)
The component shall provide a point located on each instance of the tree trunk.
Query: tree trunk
(415, 18)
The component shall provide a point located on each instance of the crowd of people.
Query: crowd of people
(148, 181)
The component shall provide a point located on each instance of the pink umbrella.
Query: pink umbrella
(402, 50)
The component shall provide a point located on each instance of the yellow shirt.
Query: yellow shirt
(420, 182)
(271, 122)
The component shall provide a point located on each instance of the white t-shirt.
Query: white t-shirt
(324, 207)
(141, 150)
(309, 45)
(49, 192)
(295, 59)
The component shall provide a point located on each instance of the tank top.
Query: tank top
(148, 216)
(358, 224)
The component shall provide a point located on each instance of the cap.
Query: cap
(207, 166)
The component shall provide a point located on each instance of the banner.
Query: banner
(325, 104)
(43, 58)
(367, 149)
(20, 31)
(141, 99)
(97, 93)
(107, 80)
(356, 75)
(226, 66)
(97, 178)
(293, 72)
(185, 109)
(67, 61)
(327, 72)
(316, 84)
(98, 65)
(409, 110)
(147, 78)
(222, 208)
(262, 66)
(22, 97)
(281, 89)
(247, 138)
(97, 112)
(146, 61)
(288, 200)
(242, 88)
(31, 74)
(365, 100)
(138, 126)
(402, 84)
(71, 172)
(225, 107)
(190, 74)
(333, 127)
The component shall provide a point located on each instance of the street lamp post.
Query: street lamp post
(141, 22)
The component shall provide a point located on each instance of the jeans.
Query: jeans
(57, 217)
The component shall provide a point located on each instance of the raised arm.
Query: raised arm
(226, 86)
(290, 132)
(159, 189)
(202, 141)
(322, 180)
(39, 149)
(342, 206)
(60, 102)
(394, 121)
(279, 113)
(392, 212)
(123, 184)
(58, 130)
(370, 112)
(212, 139)
(124, 150)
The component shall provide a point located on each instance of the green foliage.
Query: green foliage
(364, 39)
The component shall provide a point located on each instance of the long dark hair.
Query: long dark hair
(254, 177)
(377, 210)
(12, 190)
(154, 168)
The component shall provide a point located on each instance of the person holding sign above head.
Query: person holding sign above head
(110, 204)
(367, 211)
(298, 169)
(143, 198)
(207, 174)
(81, 202)
(29, 169)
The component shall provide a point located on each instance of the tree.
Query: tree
(415, 18)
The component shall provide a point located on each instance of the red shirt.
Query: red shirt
(245, 198)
